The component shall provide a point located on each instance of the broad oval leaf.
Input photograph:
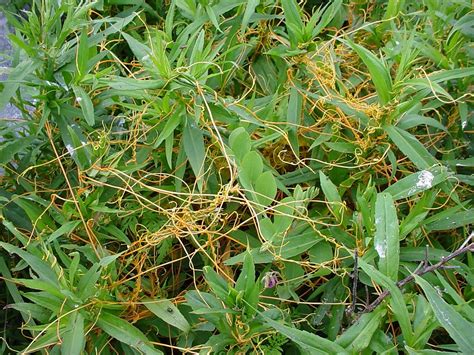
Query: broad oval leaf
(265, 188)
(240, 143)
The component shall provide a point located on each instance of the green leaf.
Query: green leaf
(312, 343)
(15, 295)
(284, 211)
(397, 302)
(160, 56)
(386, 239)
(458, 327)
(213, 17)
(321, 253)
(414, 120)
(239, 142)
(168, 129)
(197, 52)
(168, 312)
(141, 51)
(411, 147)
(30, 311)
(8, 150)
(37, 215)
(87, 284)
(332, 195)
(451, 221)
(323, 137)
(193, 142)
(292, 246)
(251, 167)
(249, 11)
(73, 340)
(47, 339)
(109, 259)
(66, 228)
(38, 284)
(126, 333)
(15, 79)
(75, 143)
(295, 105)
(417, 214)
(418, 182)
(379, 73)
(358, 336)
(247, 275)
(293, 22)
(265, 188)
(86, 104)
(82, 55)
(331, 10)
(126, 84)
(247, 287)
(39, 266)
(216, 283)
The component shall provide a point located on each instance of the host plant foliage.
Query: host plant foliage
(225, 176)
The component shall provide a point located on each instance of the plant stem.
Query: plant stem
(420, 272)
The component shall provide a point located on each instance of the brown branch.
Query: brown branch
(421, 271)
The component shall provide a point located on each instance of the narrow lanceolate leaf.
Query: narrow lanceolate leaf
(310, 342)
(85, 103)
(452, 221)
(123, 331)
(359, 335)
(332, 195)
(73, 340)
(217, 284)
(379, 73)
(397, 301)
(295, 104)
(193, 142)
(247, 276)
(249, 11)
(418, 182)
(411, 147)
(173, 121)
(66, 228)
(326, 17)
(168, 312)
(450, 319)
(8, 150)
(141, 51)
(293, 21)
(40, 267)
(386, 238)
(17, 75)
(82, 55)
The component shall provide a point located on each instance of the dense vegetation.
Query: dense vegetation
(229, 176)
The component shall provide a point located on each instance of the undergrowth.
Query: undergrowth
(222, 176)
